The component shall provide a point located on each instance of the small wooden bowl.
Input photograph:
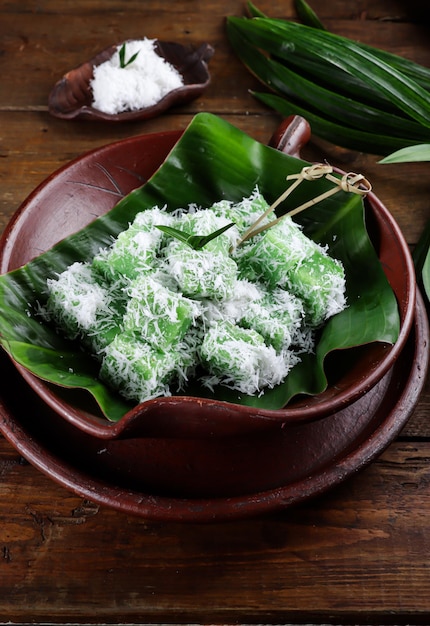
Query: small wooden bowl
(71, 97)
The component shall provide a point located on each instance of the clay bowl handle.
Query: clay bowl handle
(292, 134)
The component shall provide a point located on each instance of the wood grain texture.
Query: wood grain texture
(357, 555)
(335, 556)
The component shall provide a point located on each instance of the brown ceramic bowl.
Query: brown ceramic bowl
(71, 96)
(87, 182)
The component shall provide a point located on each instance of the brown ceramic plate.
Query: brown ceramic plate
(98, 180)
(221, 479)
(71, 96)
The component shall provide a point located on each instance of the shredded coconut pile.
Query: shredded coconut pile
(139, 85)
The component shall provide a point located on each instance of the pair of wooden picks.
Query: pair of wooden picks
(349, 182)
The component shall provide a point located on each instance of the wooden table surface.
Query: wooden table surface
(358, 554)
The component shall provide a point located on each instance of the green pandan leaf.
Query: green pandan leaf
(421, 255)
(122, 62)
(335, 115)
(307, 15)
(254, 11)
(426, 275)
(420, 152)
(335, 78)
(196, 242)
(421, 258)
(212, 161)
(280, 39)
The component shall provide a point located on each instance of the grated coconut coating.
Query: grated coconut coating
(155, 311)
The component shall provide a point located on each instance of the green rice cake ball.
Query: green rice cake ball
(231, 309)
(83, 307)
(320, 282)
(136, 369)
(201, 273)
(270, 255)
(284, 257)
(239, 358)
(158, 315)
(135, 249)
(278, 316)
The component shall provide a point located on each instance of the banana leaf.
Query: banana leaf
(212, 160)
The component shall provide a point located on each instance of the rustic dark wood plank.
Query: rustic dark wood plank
(418, 426)
(333, 556)
(388, 10)
(379, 10)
